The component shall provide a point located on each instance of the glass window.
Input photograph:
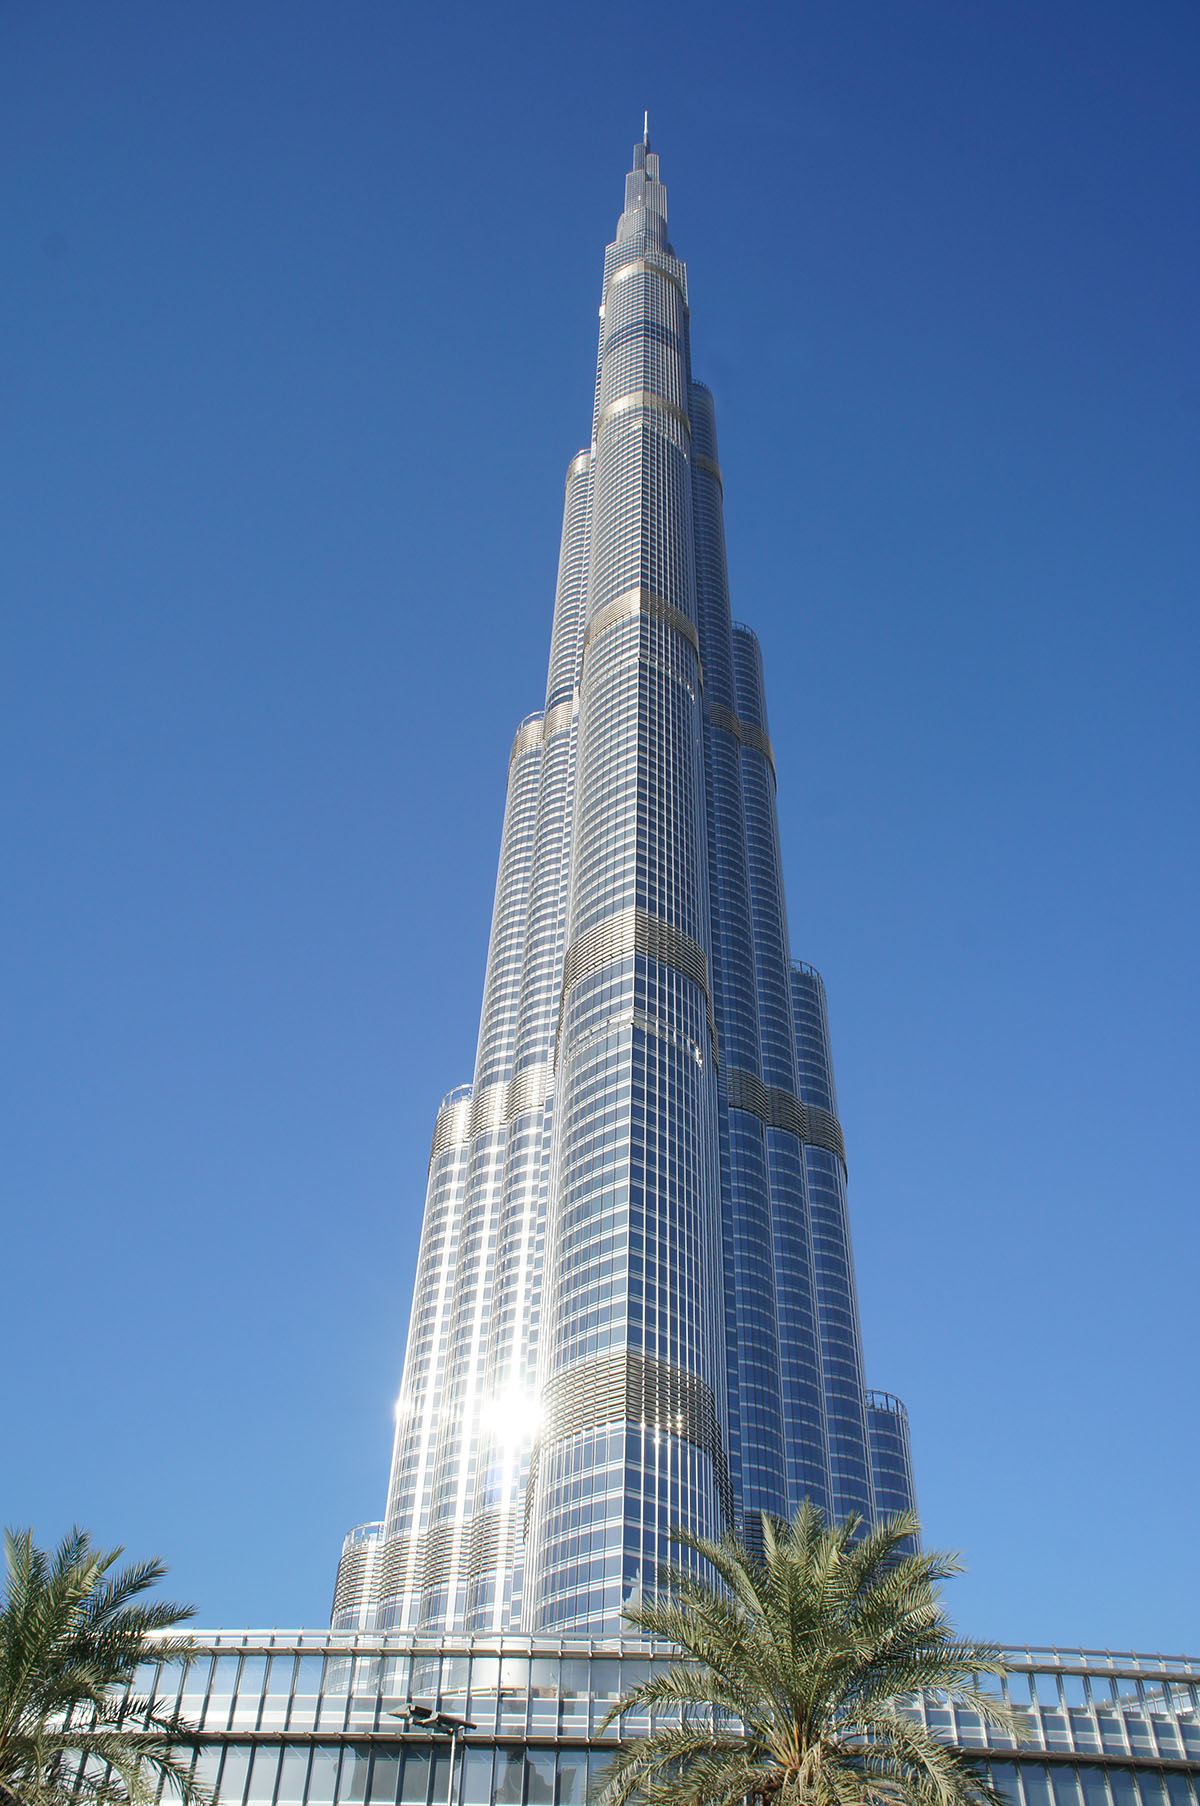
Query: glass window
(1004, 1777)
(352, 1787)
(395, 1678)
(575, 1679)
(1036, 1783)
(477, 1777)
(366, 1677)
(308, 1674)
(224, 1674)
(543, 1680)
(539, 1777)
(322, 1779)
(233, 1775)
(1124, 1791)
(514, 1675)
(293, 1773)
(1095, 1787)
(385, 1778)
(1150, 1786)
(250, 1683)
(263, 1771)
(1179, 1790)
(194, 1679)
(1066, 1786)
(281, 1672)
(454, 1674)
(414, 1788)
(572, 1777)
(598, 1761)
(485, 1674)
(426, 1677)
(510, 1774)
(205, 1767)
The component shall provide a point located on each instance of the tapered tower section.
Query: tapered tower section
(634, 1303)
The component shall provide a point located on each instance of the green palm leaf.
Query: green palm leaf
(72, 1635)
(792, 1665)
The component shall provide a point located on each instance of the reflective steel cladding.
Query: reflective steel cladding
(634, 1303)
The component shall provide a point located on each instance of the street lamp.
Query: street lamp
(436, 1724)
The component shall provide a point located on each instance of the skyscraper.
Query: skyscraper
(634, 1303)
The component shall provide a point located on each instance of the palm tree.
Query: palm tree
(795, 1665)
(71, 1638)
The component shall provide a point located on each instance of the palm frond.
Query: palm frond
(72, 1635)
(793, 1660)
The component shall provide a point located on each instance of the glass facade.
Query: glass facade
(295, 1719)
(634, 1303)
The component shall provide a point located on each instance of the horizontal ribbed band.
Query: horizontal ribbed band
(539, 728)
(627, 1386)
(357, 1577)
(700, 462)
(495, 1107)
(491, 1540)
(780, 1109)
(453, 1125)
(442, 1543)
(644, 398)
(745, 731)
(629, 931)
(642, 266)
(577, 466)
(645, 602)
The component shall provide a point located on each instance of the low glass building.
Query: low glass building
(298, 1718)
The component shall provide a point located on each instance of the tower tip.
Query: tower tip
(646, 128)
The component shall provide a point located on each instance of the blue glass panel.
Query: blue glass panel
(1066, 1786)
(385, 1778)
(439, 1780)
(356, 1766)
(572, 1777)
(322, 1779)
(477, 1777)
(1036, 1784)
(1004, 1776)
(510, 1777)
(293, 1774)
(539, 1777)
(233, 1776)
(414, 1785)
(263, 1771)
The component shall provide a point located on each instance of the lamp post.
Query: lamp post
(436, 1724)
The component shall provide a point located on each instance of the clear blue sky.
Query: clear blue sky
(298, 313)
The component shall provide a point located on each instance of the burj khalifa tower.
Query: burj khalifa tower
(634, 1303)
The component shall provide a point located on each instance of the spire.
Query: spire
(645, 195)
